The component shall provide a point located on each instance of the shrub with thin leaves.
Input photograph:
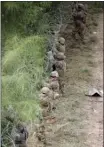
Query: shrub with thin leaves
(22, 71)
(25, 26)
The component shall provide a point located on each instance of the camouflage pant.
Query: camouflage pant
(61, 73)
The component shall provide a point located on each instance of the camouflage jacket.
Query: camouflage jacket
(79, 16)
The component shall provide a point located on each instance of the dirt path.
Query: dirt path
(79, 118)
(96, 108)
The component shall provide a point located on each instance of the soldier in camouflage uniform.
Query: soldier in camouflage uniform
(79, 18)
(61, 69)
(19, 135)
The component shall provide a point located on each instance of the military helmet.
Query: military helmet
(80, 6)
(45, 90)
(61, 40)
(54, 74)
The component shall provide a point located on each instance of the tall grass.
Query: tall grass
(22, 69)
(25, 26)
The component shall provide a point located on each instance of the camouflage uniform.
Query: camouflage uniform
(79, 18)
(19, 135)
(61, 80)
(61, 71)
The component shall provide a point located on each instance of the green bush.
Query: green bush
(23, 17)
(25, 26)
(22, 71)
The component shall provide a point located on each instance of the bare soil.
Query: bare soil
(95, 111)
(79, 119)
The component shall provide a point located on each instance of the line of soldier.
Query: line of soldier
(49, 92)
(55, 83)
(51, 88)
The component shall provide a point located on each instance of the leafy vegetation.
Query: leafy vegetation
(22, 70)
(25, 26)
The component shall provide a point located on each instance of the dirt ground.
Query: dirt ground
(95, 107)
(79, 119)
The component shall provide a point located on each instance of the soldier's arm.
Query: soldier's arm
(26, 133)
(73, 16)
(84, 18)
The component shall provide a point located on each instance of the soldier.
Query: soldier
(61, 79)
(79, 18)
(50, 61)
(53, 80)
(61, 69)
(19, 135)
(45, 99)
(60, 44)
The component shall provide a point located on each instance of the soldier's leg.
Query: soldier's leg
(81, 31)
(74, 31)
(81, 35)
(62, 84)
(61, 80)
